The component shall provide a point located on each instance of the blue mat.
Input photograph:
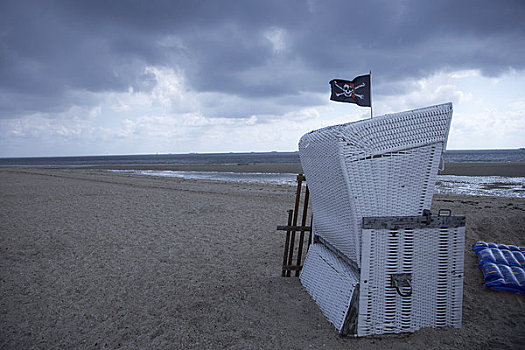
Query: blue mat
(503, 266)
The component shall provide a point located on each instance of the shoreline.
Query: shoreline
(505, 169)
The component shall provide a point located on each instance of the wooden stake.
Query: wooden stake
(303, 223)
(287, 244)
(294, 223)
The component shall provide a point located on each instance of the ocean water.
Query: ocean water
(465, 185)
(494, 186)
(252, 178)
(153, 159)
(513, 155)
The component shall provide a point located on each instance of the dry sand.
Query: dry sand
(96, 260)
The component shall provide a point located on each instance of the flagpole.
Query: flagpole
(370, 94)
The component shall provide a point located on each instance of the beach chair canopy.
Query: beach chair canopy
(385, 166)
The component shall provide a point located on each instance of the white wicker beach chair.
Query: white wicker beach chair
(383, 167)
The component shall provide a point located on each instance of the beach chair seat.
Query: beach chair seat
(383, 168)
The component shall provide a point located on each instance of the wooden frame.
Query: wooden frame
(291, 228)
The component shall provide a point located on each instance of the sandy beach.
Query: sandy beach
(94, 260)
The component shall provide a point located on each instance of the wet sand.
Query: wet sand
(93, 260)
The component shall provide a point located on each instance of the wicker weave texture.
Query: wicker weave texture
(434, 258)
(384, 166)
(330, 282)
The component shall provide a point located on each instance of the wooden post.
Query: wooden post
(303, 223)
(287, 243)
(294, 223)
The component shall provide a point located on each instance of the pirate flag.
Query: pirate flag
(355, 91)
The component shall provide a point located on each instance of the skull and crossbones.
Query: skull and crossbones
(349, 90)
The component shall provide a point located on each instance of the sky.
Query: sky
(144, 77)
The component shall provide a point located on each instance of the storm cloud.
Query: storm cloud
(255, 49)
(95, 77)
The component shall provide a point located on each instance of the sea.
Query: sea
(449, 184)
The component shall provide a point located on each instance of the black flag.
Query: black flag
(355, 91)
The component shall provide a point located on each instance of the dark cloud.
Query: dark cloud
(49, 48)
